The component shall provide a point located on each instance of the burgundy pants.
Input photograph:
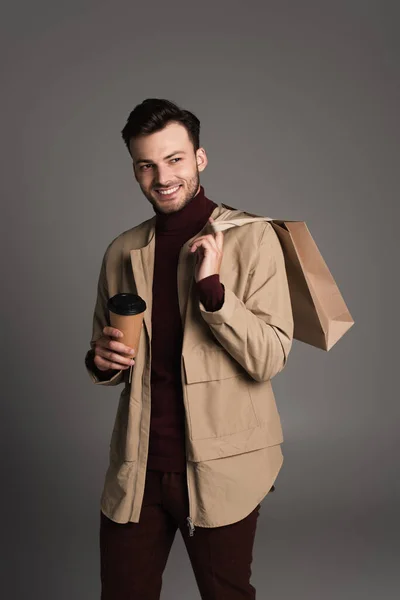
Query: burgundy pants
(133, 556)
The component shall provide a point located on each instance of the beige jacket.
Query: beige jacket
(233, 429)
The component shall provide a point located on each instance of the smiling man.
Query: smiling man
(196, 442)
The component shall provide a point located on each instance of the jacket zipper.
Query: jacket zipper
(189, 518)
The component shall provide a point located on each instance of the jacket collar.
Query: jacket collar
(145, 232)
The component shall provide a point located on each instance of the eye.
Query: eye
(175, 159)
(143, 167)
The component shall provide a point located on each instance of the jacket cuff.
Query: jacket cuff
(211, 293)
(233, 304)
(98, 376)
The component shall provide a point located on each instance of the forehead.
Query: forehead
(172, 138)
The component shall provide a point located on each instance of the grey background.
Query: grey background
(299, 105)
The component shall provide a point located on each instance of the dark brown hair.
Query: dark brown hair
(153, 114)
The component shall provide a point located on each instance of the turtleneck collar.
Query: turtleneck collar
(191, 217)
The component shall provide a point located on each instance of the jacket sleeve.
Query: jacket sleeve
(258, 330)
(100, 320)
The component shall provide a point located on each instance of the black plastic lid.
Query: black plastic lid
(126, 304)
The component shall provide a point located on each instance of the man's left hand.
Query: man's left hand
(209, 254)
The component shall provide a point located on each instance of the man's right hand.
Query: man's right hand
(109, 354)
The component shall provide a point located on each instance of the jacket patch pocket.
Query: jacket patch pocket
(217, 395)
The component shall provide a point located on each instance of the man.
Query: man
(196, 442)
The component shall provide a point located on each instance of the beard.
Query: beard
(188, 190)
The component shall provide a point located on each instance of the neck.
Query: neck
(191, 217)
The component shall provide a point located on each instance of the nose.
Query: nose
(163, 176)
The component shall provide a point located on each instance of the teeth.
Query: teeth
(167, 192)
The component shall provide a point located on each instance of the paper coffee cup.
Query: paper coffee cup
(126, 314)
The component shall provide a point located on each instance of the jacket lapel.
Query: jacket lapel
(142, 261)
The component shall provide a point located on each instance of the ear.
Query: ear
(201, 159)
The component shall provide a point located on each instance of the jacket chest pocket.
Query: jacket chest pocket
(218, 401)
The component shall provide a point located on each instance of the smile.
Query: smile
(169, 192)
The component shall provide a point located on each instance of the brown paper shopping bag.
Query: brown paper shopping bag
(320, 314)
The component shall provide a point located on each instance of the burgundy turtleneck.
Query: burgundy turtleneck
(167, 424)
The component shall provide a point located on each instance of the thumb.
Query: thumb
(219, 238)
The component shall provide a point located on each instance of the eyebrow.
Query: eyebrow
(144, 160)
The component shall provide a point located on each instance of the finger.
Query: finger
(111, 344)
(106, 342)
(213, 237)
(113, 357)
(219, 239)
(104, 364)
(208, 243)
(199, 239)
(112, 332)
(121, 348)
